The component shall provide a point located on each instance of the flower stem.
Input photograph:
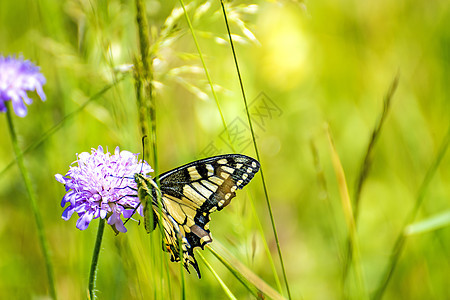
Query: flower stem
(94, 263)
(33, 203)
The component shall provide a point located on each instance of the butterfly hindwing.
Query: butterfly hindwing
(191, 192)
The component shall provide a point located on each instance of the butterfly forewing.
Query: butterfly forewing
(191, 192)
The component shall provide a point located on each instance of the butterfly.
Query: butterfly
(188, 195)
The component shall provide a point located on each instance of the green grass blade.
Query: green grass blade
(348, 213)
(325, 197)
(429, 224)
(401, 238)
(266, 245)
(266, 194)
(222, 284)
(255, 285)
(365, 166)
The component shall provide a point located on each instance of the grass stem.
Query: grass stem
(147, 111)
(366, 163)
(254, 284)
(266, 194)
(365, 167)
(349, 216)
(33, 202)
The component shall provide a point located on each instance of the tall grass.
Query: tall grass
(364, 171)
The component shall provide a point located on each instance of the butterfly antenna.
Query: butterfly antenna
(143, 152)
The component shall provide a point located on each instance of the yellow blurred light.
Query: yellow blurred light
(284, 47)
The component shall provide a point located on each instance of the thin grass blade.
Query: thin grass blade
(366, 164)
(348, 213)
(401, 238)
(430, 224)
(255, 285)
(222, 284)
(266, 194)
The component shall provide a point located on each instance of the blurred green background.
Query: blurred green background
(319, 64)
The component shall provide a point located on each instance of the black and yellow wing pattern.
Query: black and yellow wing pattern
(189, 194)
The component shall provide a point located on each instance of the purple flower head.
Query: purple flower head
(101, 185)
(17, 76)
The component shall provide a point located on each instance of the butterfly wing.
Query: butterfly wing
(193, 191)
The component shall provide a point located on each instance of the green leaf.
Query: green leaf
(430, 224)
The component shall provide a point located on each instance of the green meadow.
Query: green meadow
(346, 105)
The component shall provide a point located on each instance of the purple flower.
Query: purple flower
(16, 78)
(101, 186)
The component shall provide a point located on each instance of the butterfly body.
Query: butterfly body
(188, 195)
(147, 194)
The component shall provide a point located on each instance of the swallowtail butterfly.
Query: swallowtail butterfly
(189, 194)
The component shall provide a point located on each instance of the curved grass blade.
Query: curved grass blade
(401, 238)
(365, 167)
(324, 196)
(429, 224)
(222, 284)
(348, 213)
(266, 194)
(266, 245)
(366, 163)
(255, 285)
